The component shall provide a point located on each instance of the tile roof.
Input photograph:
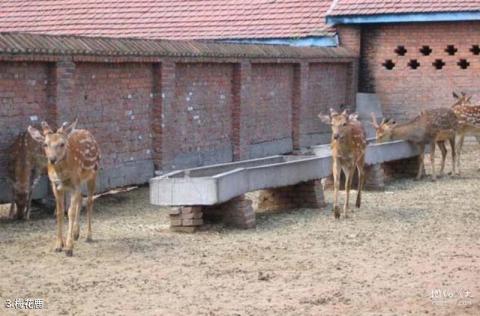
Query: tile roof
(167, 19)
(370, 7)
(22, 43)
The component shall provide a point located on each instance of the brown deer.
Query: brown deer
(26, 165)
(73, 158)
(348, 153)
(429, 127)
(468, 116)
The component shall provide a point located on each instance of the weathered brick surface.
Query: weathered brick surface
(23, 101)
(270, 120)
(237, 212)
(303, 195)
(327, 89)
(198, 127)
(404, 91)
(113, 102)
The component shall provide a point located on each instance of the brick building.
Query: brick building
(413, 54)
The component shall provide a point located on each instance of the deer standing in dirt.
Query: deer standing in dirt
(73, 158)
(431, 127)
(468, 116)
(348, 153)
(26, 165)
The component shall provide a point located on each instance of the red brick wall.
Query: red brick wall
(113, 101)
(173, 113)
(23, 101)
(199, 128)
(271, 107)
(327, 88)
(404, 91)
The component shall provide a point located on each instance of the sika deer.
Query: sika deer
(348, 152)
(429, 127)
(26, 166)
(73, 158)
(468, 116)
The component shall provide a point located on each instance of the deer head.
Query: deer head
(338, 122)
(383, 131)
(54, 143)
(462, 99)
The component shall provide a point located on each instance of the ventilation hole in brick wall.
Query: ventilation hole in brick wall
(414, 64)
(475, 49)
(438, 64)
(389, 64)
(463, 63)
(425, 50)
(451, 50)
(400, 50)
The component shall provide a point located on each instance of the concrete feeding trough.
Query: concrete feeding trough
(219, 183)
(221, 187)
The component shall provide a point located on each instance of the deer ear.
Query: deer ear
(344, 112)
(455, 95)
(36, 135)
(324, 118)
(333, 112)
(67, 129)
(46, 128)
(353, 117)
(468, 99)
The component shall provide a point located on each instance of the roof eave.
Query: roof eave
(404, 18)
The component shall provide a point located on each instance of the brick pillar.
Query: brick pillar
(241, 86)
(352, 86)
(163, 91)
(60, 88)
(303, 195)
(299, 100)
(67, 111)
(375, 177)
(237, 212)
(186, 219)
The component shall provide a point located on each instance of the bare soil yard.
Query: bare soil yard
(413, 249)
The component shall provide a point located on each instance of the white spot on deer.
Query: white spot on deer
(187, 99)
(190, 108)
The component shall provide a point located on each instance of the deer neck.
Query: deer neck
(60, 173)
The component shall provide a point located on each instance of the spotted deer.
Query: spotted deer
(468, 116)
(26, 165)
(430, 127)
(73, 158)
(348, 145)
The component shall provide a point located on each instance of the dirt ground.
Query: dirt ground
(413, 249)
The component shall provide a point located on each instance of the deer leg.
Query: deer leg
(443, 149)
(76, 196)
(348, 184)
(336, 187)
(420, 161)
(432, 160)
(76, 223)
(454, 153)
(59, 200)
(459, 151)
(91, 190)
(29, 205)
(361, 183)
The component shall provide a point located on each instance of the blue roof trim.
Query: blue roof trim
(315, 41)
(404, 18)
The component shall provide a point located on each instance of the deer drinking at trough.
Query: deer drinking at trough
(468, 116)
(73, 158)
(348, 153)
(429, 127)
(26, 165)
